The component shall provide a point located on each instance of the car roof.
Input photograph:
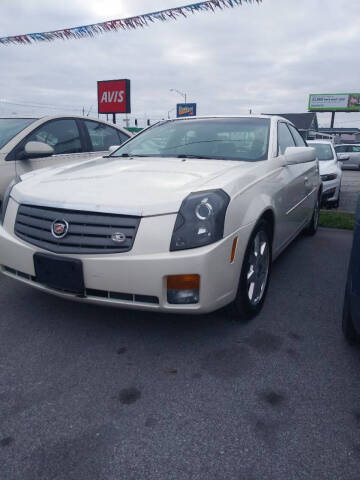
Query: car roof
(328, 142)
(228, 116)
(54, 117)
(272, 118)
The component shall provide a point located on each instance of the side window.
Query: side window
(285, 138)
(299, 141)
(340, 149)
(63, 135)
(355, 148)
(102, 136)
(122, 136)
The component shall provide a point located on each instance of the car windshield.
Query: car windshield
(243, 139)
(9, 127)
(323, 151)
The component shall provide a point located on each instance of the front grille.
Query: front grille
(89, 232)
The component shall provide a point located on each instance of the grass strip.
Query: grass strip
(335, 219)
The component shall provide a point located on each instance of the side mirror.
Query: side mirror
(342, 157)
(294, 155)
(113, 148)
(38, 149)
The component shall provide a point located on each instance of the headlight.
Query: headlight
(6, 197)
(200, 220)
(330, 176)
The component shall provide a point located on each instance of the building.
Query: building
(343, 135)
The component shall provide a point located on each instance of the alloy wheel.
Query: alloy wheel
(258, 268)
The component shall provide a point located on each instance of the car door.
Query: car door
(293, 212)
(310, 173)
(102, 136)
(63, 134)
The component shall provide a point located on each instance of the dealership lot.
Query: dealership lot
(350, 187)
(89, 392)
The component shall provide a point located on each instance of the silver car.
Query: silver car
(353, 152)
(30, 143)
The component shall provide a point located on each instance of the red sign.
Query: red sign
(114, 96)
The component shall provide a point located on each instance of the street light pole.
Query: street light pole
(180, 93)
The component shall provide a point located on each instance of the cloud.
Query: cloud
(267, 57)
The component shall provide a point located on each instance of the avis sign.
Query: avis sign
(114, 96)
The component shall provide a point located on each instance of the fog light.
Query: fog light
(183, 289)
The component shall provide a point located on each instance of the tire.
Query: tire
(349, 332)
(337, 202)
(251, 295)
(311, 229)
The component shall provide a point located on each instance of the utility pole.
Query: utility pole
(332, 119)
(127, 121)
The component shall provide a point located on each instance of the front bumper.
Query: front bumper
(138, 279)
(331, 191)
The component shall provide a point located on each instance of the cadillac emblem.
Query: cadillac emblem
(118, 237)
(59, 228)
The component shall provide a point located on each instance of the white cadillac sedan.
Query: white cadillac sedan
(185, 217)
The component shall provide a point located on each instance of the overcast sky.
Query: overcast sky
(266, 57)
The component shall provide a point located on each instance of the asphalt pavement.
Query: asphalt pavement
(350, 189)
(91, 393)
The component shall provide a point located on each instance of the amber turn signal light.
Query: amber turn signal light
(183, 282)
(233, 250)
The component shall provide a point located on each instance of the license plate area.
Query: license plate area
(60, 273)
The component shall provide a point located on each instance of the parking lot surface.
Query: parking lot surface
(90, 393)
(350, 189)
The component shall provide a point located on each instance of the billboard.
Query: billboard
(334, 102)
(186, 110)
(114, 96)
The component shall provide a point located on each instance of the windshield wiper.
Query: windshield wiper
(125, 155)
(193, 156)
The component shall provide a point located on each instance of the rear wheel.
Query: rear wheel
(255, 274)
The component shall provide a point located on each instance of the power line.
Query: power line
(40, 105)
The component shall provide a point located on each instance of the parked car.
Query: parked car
(185, 217)
(31, 143)
(330, 171)
(351, 310)
(351, 151)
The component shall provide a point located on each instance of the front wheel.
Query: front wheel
(314, 222)
(255, 274)
(348, 328)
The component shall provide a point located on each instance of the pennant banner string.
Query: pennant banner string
(130, 23)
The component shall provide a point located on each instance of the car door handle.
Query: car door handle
(306, 179)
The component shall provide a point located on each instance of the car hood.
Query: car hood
(133, 186)
(328, 166)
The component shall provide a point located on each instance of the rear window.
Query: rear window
(9, 127)
(323, 151)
